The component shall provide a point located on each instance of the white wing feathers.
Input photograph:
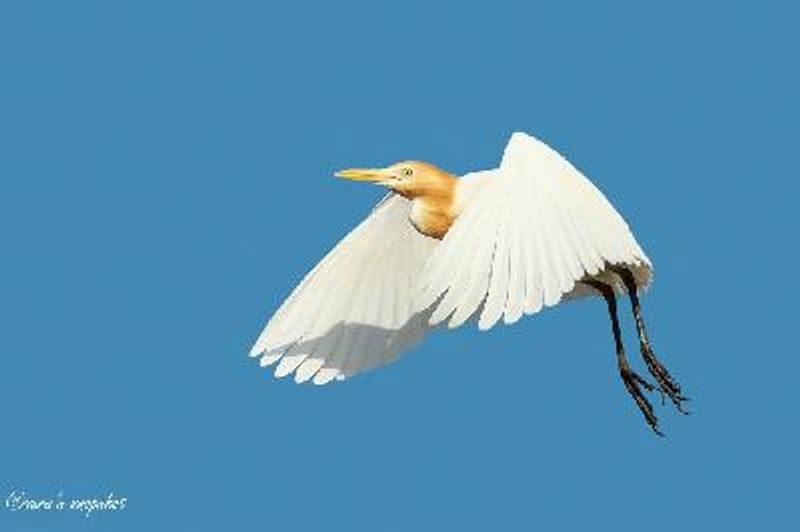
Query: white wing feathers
(537, 227)
(355, 310)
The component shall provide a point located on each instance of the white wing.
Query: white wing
(536, 227)
(355, 310)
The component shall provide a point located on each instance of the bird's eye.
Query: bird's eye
(408, 172)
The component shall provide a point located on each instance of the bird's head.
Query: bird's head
(408, 178)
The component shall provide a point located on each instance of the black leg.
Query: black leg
(666, 383)
(630, 378)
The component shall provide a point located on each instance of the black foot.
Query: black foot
(666, 383)
(632, 381)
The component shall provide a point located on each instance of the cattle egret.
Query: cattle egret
(489, 245)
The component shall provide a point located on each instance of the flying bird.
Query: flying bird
(440, 249)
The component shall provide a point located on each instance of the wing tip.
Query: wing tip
(520, 138)
(486, 323)
(256, 350)
(269, 359)
(517, 136)
(325, 375)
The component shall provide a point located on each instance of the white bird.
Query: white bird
(438, 249)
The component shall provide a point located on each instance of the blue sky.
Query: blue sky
(165, 180)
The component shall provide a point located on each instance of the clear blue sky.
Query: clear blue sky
(165, 180)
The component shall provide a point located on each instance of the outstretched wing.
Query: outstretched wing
(536, 228)
(355, 309)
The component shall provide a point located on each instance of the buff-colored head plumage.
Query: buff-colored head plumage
(412, 179)
(431, 189)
